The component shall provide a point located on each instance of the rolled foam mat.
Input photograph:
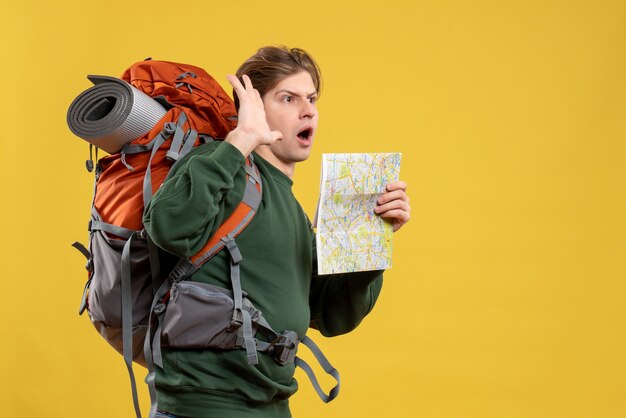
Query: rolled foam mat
(112, 113)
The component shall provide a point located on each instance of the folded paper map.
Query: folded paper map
(350, 236)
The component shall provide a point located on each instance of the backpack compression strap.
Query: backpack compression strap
(284, 346)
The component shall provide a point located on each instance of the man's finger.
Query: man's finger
(396, 185)
(394, 204)
(258, 97)
(393, 195)
(248, 83)
(234, 81)
(397, 216)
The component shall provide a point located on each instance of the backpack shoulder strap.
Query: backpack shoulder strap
(237, 221)
(225, 236)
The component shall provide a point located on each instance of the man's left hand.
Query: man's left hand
(393, 205)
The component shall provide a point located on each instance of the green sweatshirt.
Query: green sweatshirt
(278, 272)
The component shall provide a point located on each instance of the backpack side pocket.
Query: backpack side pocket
(104, 301)
(199, 315)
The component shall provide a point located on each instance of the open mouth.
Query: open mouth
(305, 134)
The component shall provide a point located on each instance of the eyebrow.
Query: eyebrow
(291, 93)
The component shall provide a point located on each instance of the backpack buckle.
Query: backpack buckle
(169, 128)
(237, 319)
(285, 347)
(181, 270)
(233, 249)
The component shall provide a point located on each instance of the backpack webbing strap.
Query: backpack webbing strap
(241, 317)
(252, 171)
(153, 339)
(190, 140)
(83, 299)
(252, 195)
(95, 225)
(127, 320)
(155, 263)
(129, 148)
(83, 250)
(168, 128)
(284, 346)
(89, 266)
(147, 180)
(179, 136)
(328, 368)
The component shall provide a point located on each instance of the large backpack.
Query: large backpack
(148, 120)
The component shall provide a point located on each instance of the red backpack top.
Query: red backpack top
(184, 89)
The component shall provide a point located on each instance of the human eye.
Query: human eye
(312, 99)
(287, 99)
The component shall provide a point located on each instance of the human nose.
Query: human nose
(308, 110)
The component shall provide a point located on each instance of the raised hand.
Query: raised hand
(252, 129)
(394, 206)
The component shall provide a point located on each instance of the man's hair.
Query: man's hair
(271, 64)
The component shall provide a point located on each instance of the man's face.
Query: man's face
(290, 109)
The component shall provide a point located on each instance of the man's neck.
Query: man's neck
(286, 168)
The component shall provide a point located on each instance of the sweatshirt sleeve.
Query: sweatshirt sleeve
(190, 203)
(339, 302)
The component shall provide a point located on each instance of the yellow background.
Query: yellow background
(506, 298)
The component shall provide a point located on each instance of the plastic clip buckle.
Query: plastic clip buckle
(169, 128)
(237, 320)
(179, 272)
(285, 347)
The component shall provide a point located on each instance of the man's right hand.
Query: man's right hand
(252, 129)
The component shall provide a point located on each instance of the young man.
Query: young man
(276, 92)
